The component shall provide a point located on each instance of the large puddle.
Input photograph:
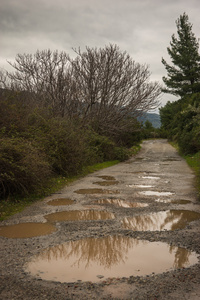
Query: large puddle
(96, 191)
(163, 220)
(26, 230)
(95, 259)
(61, 201)
(79, 215)
(121, 203)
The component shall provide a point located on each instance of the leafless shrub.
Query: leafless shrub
(103, 87)
(112, 87)
(47, 76)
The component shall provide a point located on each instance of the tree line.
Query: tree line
(60, 114)
(181, 119)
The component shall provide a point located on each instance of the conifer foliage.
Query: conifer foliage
(183, 76)
(181, 119)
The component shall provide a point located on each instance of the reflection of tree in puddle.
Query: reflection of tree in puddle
(79, 215)
(178, 219)
(181, 256)
(110, 256)
(164, 220)
(96, 191)
(121, 203)
(106, 251)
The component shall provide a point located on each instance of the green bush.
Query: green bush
(34, 145)
(121, 153)
(102, 148)
(64, 144)
(23, 168)
(188, 143)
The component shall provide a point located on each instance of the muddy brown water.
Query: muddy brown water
(79, 215)
(61, 201)
(106, 182)
(121, 203)
(27, 230)
(72, 253)
(96, 191)
(107, 177)
(163, 220)
(95, 259)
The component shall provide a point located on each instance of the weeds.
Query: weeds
(13, 205)
(194, 162)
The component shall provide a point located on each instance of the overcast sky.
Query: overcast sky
(141, 27)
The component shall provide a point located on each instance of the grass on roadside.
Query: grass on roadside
(194, 162)
(11, 206)
(135, 149)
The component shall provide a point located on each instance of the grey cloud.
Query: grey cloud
(141, 27)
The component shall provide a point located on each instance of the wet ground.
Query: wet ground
(130, 231)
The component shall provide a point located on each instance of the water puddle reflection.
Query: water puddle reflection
(121, 203)
(106, 182)
(140, 186)
(173, 201)
(78, 215)
(95, 259)
(155, 193)
(150, 177)
(96, 191)
(61, 201)
(105, 177)
(171, 159)
(26, 230)
(163, 220)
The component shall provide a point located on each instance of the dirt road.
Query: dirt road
(147, 201)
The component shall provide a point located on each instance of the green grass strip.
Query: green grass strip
(194, 162)
(11, 206)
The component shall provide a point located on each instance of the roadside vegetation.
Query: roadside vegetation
(16, 203)
(194, 162)
(62, 118)
(181, 119)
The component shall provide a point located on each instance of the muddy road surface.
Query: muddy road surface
(130, 231)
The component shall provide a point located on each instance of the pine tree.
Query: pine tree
(184, 75)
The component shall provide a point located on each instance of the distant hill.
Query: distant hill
(151, 117)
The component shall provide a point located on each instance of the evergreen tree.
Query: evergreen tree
(184, 75)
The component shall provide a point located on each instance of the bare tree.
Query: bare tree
(48, 77)
(103, 87)
(112, 87)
